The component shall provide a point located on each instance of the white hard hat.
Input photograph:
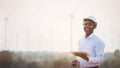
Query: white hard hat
(92, 18)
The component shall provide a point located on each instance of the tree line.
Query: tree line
(47, 60)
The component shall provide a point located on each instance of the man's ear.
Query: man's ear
(95, 25)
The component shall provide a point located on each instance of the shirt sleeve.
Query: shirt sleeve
(99, 53)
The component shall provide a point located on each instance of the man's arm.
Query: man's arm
(99, 51)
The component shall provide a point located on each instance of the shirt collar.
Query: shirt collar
(90, 36)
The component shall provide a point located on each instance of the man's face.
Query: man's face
(89, 26)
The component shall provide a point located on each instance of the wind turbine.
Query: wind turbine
(71, 26)
(6, 30)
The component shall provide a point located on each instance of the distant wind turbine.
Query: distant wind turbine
(6, 30)
(71, 26)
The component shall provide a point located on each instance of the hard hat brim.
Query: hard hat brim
(85, 19)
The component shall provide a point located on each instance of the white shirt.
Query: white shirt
(94, 46)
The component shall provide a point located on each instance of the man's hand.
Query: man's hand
(74, 63)
(81, 54)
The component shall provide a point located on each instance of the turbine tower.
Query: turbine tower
(71, 26)
(6, 30)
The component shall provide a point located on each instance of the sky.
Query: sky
(45, 25)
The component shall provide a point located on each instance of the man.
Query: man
(91, 47)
